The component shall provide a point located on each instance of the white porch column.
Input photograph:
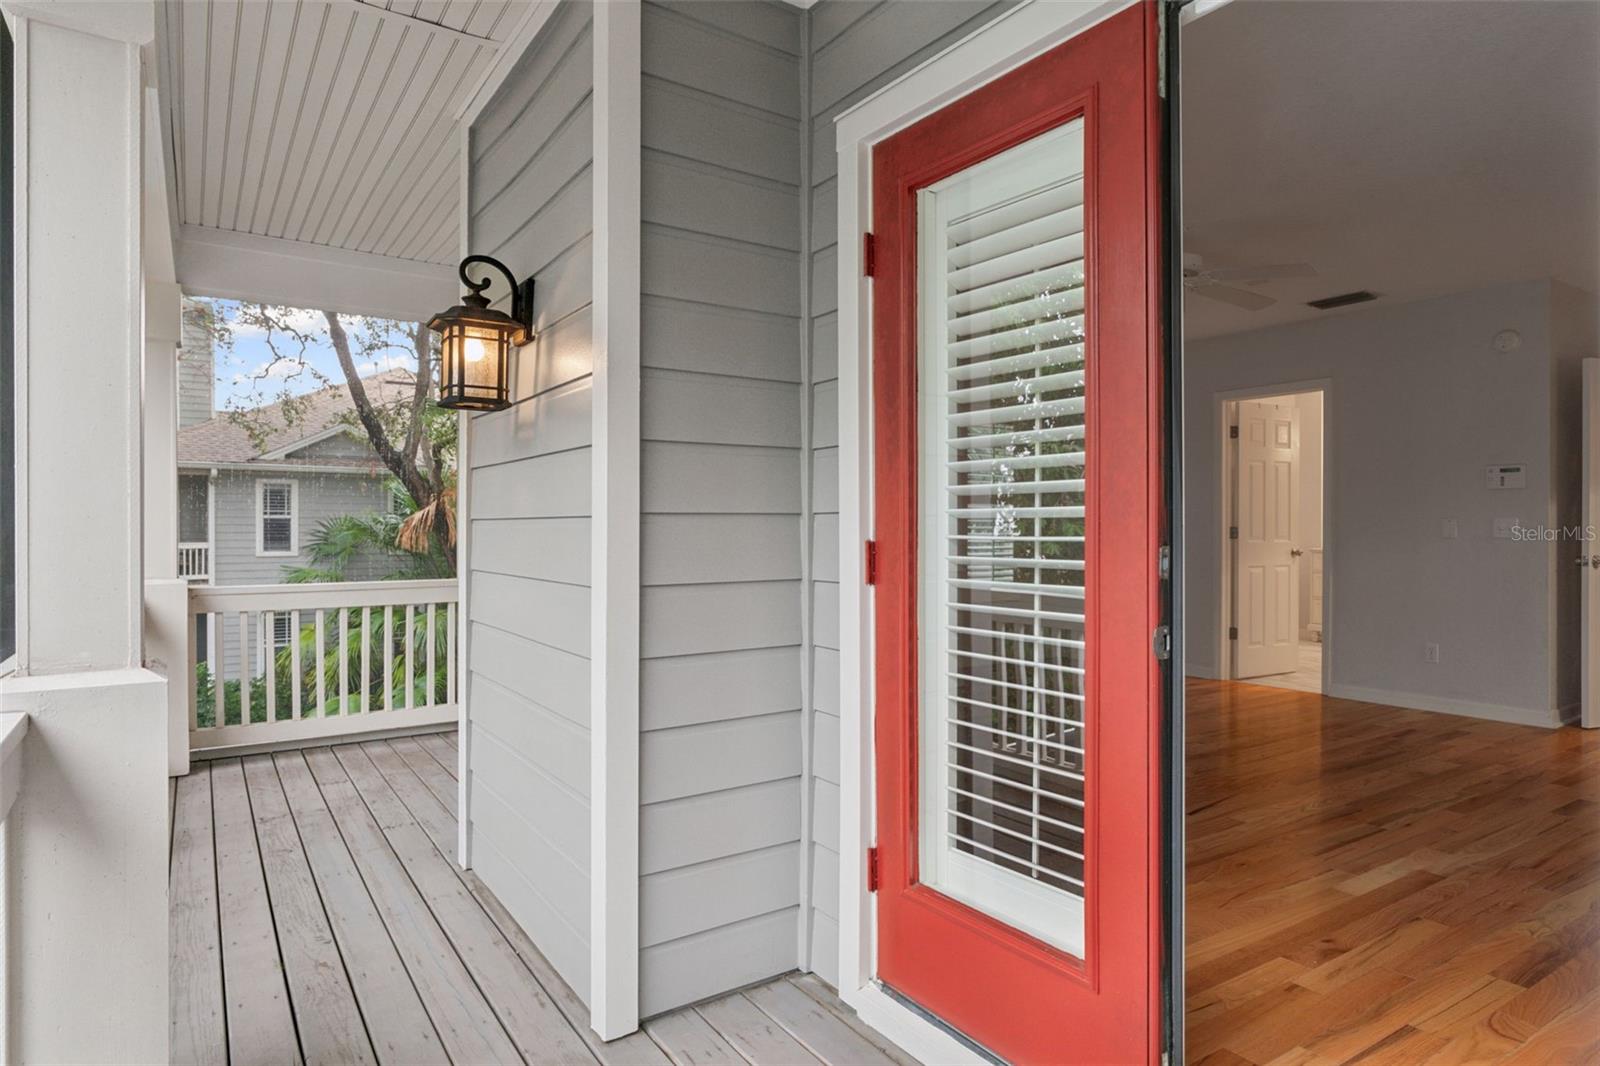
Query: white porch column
(86, 842)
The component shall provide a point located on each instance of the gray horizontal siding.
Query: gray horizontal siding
(721, 532)
(530, 193)
(856, 47)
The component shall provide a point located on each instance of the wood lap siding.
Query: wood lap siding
(856, 48)
(720, 754)
(530, 205)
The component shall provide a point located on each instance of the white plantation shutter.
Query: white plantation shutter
(1002, 282)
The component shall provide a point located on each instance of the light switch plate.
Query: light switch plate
(1449, 529)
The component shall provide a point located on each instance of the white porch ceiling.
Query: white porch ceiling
(328, 123)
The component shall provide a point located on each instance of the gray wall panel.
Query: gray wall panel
(530, 203)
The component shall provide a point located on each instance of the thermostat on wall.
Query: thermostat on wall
(1511, 476)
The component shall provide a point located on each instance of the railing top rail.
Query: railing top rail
(312, 596)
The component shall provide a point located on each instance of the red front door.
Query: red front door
(1018, 488)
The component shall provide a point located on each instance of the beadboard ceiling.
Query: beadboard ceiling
(326, 122)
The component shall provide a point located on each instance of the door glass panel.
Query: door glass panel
(1002, 278)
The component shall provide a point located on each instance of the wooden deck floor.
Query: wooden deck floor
(318, 916)
(1387, 886)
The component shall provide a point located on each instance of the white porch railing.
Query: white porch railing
(280, 664)
(194, 560)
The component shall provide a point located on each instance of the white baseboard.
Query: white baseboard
(1546, 718)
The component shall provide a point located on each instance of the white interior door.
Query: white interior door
(1266, 589)
(1589, 557)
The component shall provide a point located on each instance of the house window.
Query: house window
(282, 631)
(277, 531)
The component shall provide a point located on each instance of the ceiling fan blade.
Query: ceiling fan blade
(1264, 272)
(1250, 301)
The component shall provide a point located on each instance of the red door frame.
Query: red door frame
(1013, 994)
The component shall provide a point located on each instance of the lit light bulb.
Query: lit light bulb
(475, 351)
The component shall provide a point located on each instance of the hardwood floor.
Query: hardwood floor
(318, 916)
(1368, 884)
(1306, 676)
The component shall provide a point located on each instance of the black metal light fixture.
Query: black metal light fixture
(475, 341)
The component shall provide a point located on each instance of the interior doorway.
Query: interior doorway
(1274, 550)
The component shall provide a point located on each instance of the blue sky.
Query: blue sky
(239, 370)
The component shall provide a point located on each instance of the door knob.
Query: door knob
(1588, 560)
(1296, 552)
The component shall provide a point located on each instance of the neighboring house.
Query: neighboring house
(249, 503)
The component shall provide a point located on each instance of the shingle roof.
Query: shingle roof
(223, 439)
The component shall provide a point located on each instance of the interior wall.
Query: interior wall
(529, 203)
(1575, 336)
(720, 705)
(1420, 403)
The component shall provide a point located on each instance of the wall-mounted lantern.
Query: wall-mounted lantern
(475, 342)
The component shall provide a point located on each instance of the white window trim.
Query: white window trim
(294, 518)
(1021, 34)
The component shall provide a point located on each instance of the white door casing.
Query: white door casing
(1266, 586)
(1589, 551)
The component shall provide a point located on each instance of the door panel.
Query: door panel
(1018, 480)
(1268, 588)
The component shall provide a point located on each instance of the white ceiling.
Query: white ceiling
(1409, 148)
(326, 122)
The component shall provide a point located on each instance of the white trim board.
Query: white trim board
(244, 266)
(614, 527)
(1013, 38)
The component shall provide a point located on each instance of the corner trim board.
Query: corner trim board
(614, 528)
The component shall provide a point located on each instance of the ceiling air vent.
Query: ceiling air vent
(1344, 299)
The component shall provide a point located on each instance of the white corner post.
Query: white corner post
(85, 849)
(614, 585)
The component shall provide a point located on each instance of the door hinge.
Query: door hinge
(1164, 563)
(1233, 432)
(1161, 642)
(1233, 532)
(869, 256)
(872, 562)
(872, 869)
(1233, 632)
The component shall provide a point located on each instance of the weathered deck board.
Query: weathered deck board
(819, 1030)
(396, 1019)
(326, 1016)
(537, 1027)
(341, 862)
(465, 1023)
(196, 1024)
(752, 1031)
(260, 1024)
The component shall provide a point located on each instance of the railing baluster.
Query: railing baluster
(244, 668)
(450, 653)
(317, 665)
(294, 666)
(427, 690)
(269, 644)
(411, 640)
(344, 660)
(388, 658)
(193, 684)
(366, 659)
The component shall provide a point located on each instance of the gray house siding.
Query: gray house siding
(855, 49)
(196, 382)
(529, 197)
(720, 751)
(234, 561)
